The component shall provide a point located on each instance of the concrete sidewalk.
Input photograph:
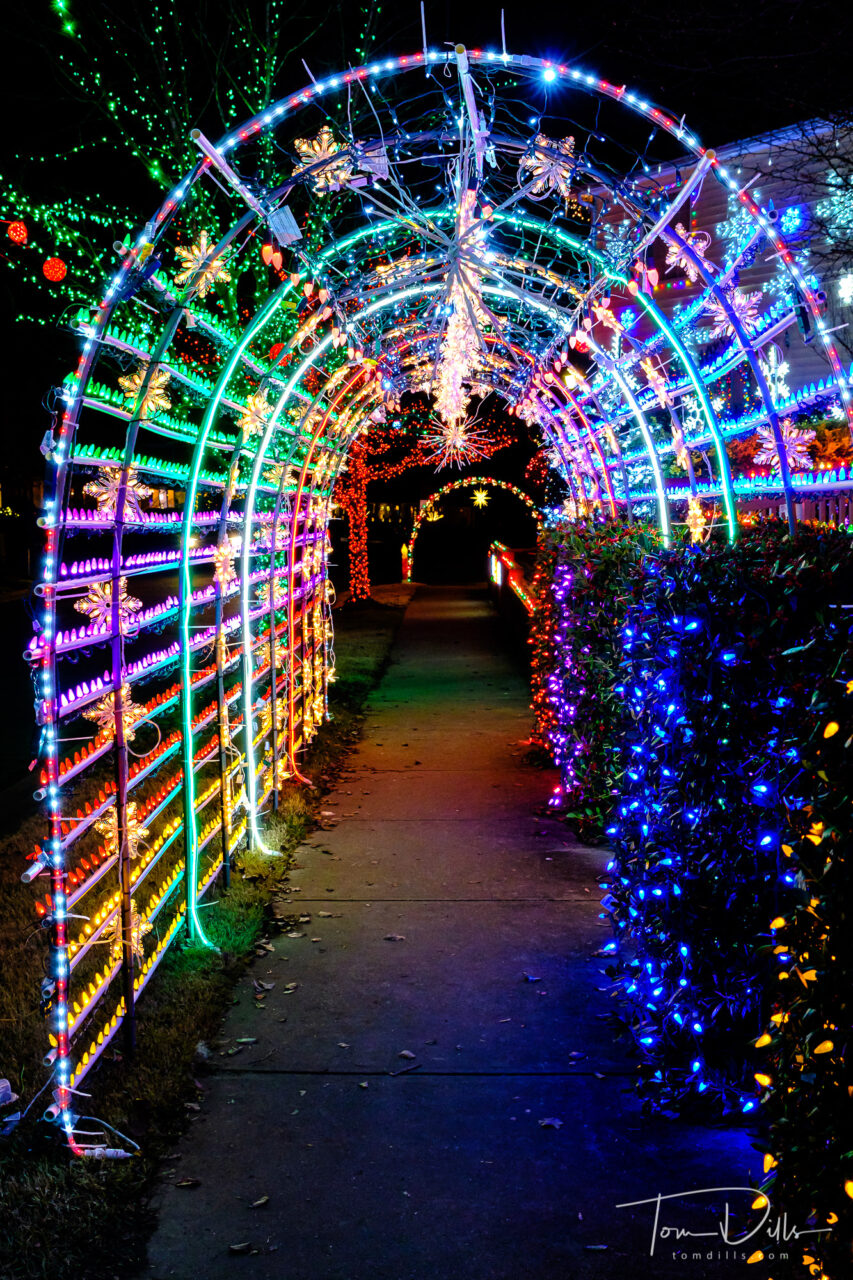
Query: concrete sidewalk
(447, 1002)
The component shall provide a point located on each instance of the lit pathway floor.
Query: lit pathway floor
(447, 1003)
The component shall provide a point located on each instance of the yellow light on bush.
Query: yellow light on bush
(763, 1080)
(831, 729)
(825, 1046)
(778, 923)
(763, 1040)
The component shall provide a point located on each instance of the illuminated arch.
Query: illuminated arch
(468, 482)
(204, 695)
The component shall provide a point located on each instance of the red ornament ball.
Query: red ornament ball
(275, 350)
(18, 232)
(55, 270)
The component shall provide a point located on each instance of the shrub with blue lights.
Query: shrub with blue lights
(715, 681)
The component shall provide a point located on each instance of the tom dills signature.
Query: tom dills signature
(770, 1227)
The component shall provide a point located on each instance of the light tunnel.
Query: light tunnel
(434, 228)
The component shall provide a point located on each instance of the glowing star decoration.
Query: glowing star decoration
(456, 445)
(551, 165)
(97, 604)
(796, 442)
(480, 497)
(677, 255)
(744, 306)
(656, 381)
(198, 265)
(154, 397)
(103, 714)
(695, 518)
(139, 929)
(335, 165)
(223, 564)
(105, 492)
(108, 828)
(255, 415)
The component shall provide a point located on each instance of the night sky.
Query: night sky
(735, 69)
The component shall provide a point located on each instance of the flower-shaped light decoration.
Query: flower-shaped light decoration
(796, 441)
(680, 447)
(744, 306)
(604, 316)
(677, 255)
(480, 497)
(335, 165)
(139, 929)
(255, 415)
(455, 445)
(198, 265)
(154, 396)
(551, 165)
(104, 711)
(98, 603)
(657, 381)
(223, 564)
(108, 828)
(105, 492)
(695, 518)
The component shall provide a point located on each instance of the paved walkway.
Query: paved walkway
(448, 1002)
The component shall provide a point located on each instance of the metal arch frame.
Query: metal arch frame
(466, 483)
(54, 519)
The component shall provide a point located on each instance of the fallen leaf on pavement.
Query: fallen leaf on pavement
(257, 1204)
(395, 937)
(550, 1123)
(243, 1247)
(406, 1053)
(189, 1182)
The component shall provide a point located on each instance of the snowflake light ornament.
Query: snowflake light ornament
(656, 381)
(98, 603)
(551, 165)
(254, 417)
(223, 564)
(197, 263)
(103, 714)
(845, 289)
(774, 369)
(108, 828)
(154, 396)
(139, 929)
(337, 169)
(105, 491)
(796, 441)
(695, 518)
(480, 497)
(677, 255)
(744, 306)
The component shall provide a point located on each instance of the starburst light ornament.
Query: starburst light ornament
(335, 165)
(104, 711)
(551, 165)
(97, 604)
(199, 266)
(744, 306)
(108, 828)
(105, 491)
(677, 255)
(455, 445)
(480, 497)
(154, 397)
(796, 441)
